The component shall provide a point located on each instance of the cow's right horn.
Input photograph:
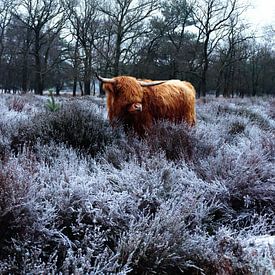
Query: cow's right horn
(104, 79)
(151, 83)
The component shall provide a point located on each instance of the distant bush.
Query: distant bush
(255, 117)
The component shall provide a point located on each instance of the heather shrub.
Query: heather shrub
(17, 218)
(236, 128)
(16, 103)
(4, 143)
(9, 124)
(150, 215)
(247, 178)
(260, 119)
(176, 141)
(83, 129)
(271, 108)
(77, 197)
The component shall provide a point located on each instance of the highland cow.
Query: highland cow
(137, 104)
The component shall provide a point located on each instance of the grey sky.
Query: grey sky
(261, 13)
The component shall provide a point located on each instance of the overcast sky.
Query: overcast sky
(262, 13)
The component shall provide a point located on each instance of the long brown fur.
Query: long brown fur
(173, 100)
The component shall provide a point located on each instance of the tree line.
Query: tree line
(64, 43)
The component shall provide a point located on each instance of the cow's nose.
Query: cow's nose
(135, 107)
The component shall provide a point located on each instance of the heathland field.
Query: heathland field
(78, 197)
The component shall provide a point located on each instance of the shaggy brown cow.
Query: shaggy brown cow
(137, 104)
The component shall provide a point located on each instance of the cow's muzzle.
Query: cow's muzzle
(135, 108)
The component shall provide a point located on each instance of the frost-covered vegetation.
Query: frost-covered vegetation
(77, 197)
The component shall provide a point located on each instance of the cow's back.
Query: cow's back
(173, 100)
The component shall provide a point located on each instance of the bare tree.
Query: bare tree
(127, 19)
(169, 47)
(6, 8)
(212, 18)
(231, 53)
(24, 41)
(45, 19)
(105, 45)
(16, 55)
(177, 17)
(83, 18)
(76, 64)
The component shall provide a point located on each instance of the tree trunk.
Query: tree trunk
(254, 79)
(87, 87)
(101, 91)
(117, 53)
(25, 75)
(205, 65)
(93, 85)
(203, 84)
(87, 71)
(38, 68)
(74, 86)
(81, 88)
(75, 66)
(39, 87)
(25, 67)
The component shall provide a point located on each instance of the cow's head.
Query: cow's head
(125, 94)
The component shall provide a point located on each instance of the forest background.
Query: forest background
(61, 44)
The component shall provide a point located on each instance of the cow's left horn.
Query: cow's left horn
(152, 83)
(104, 79)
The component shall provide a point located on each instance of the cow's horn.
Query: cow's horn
(104, 79)
(152, 83)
